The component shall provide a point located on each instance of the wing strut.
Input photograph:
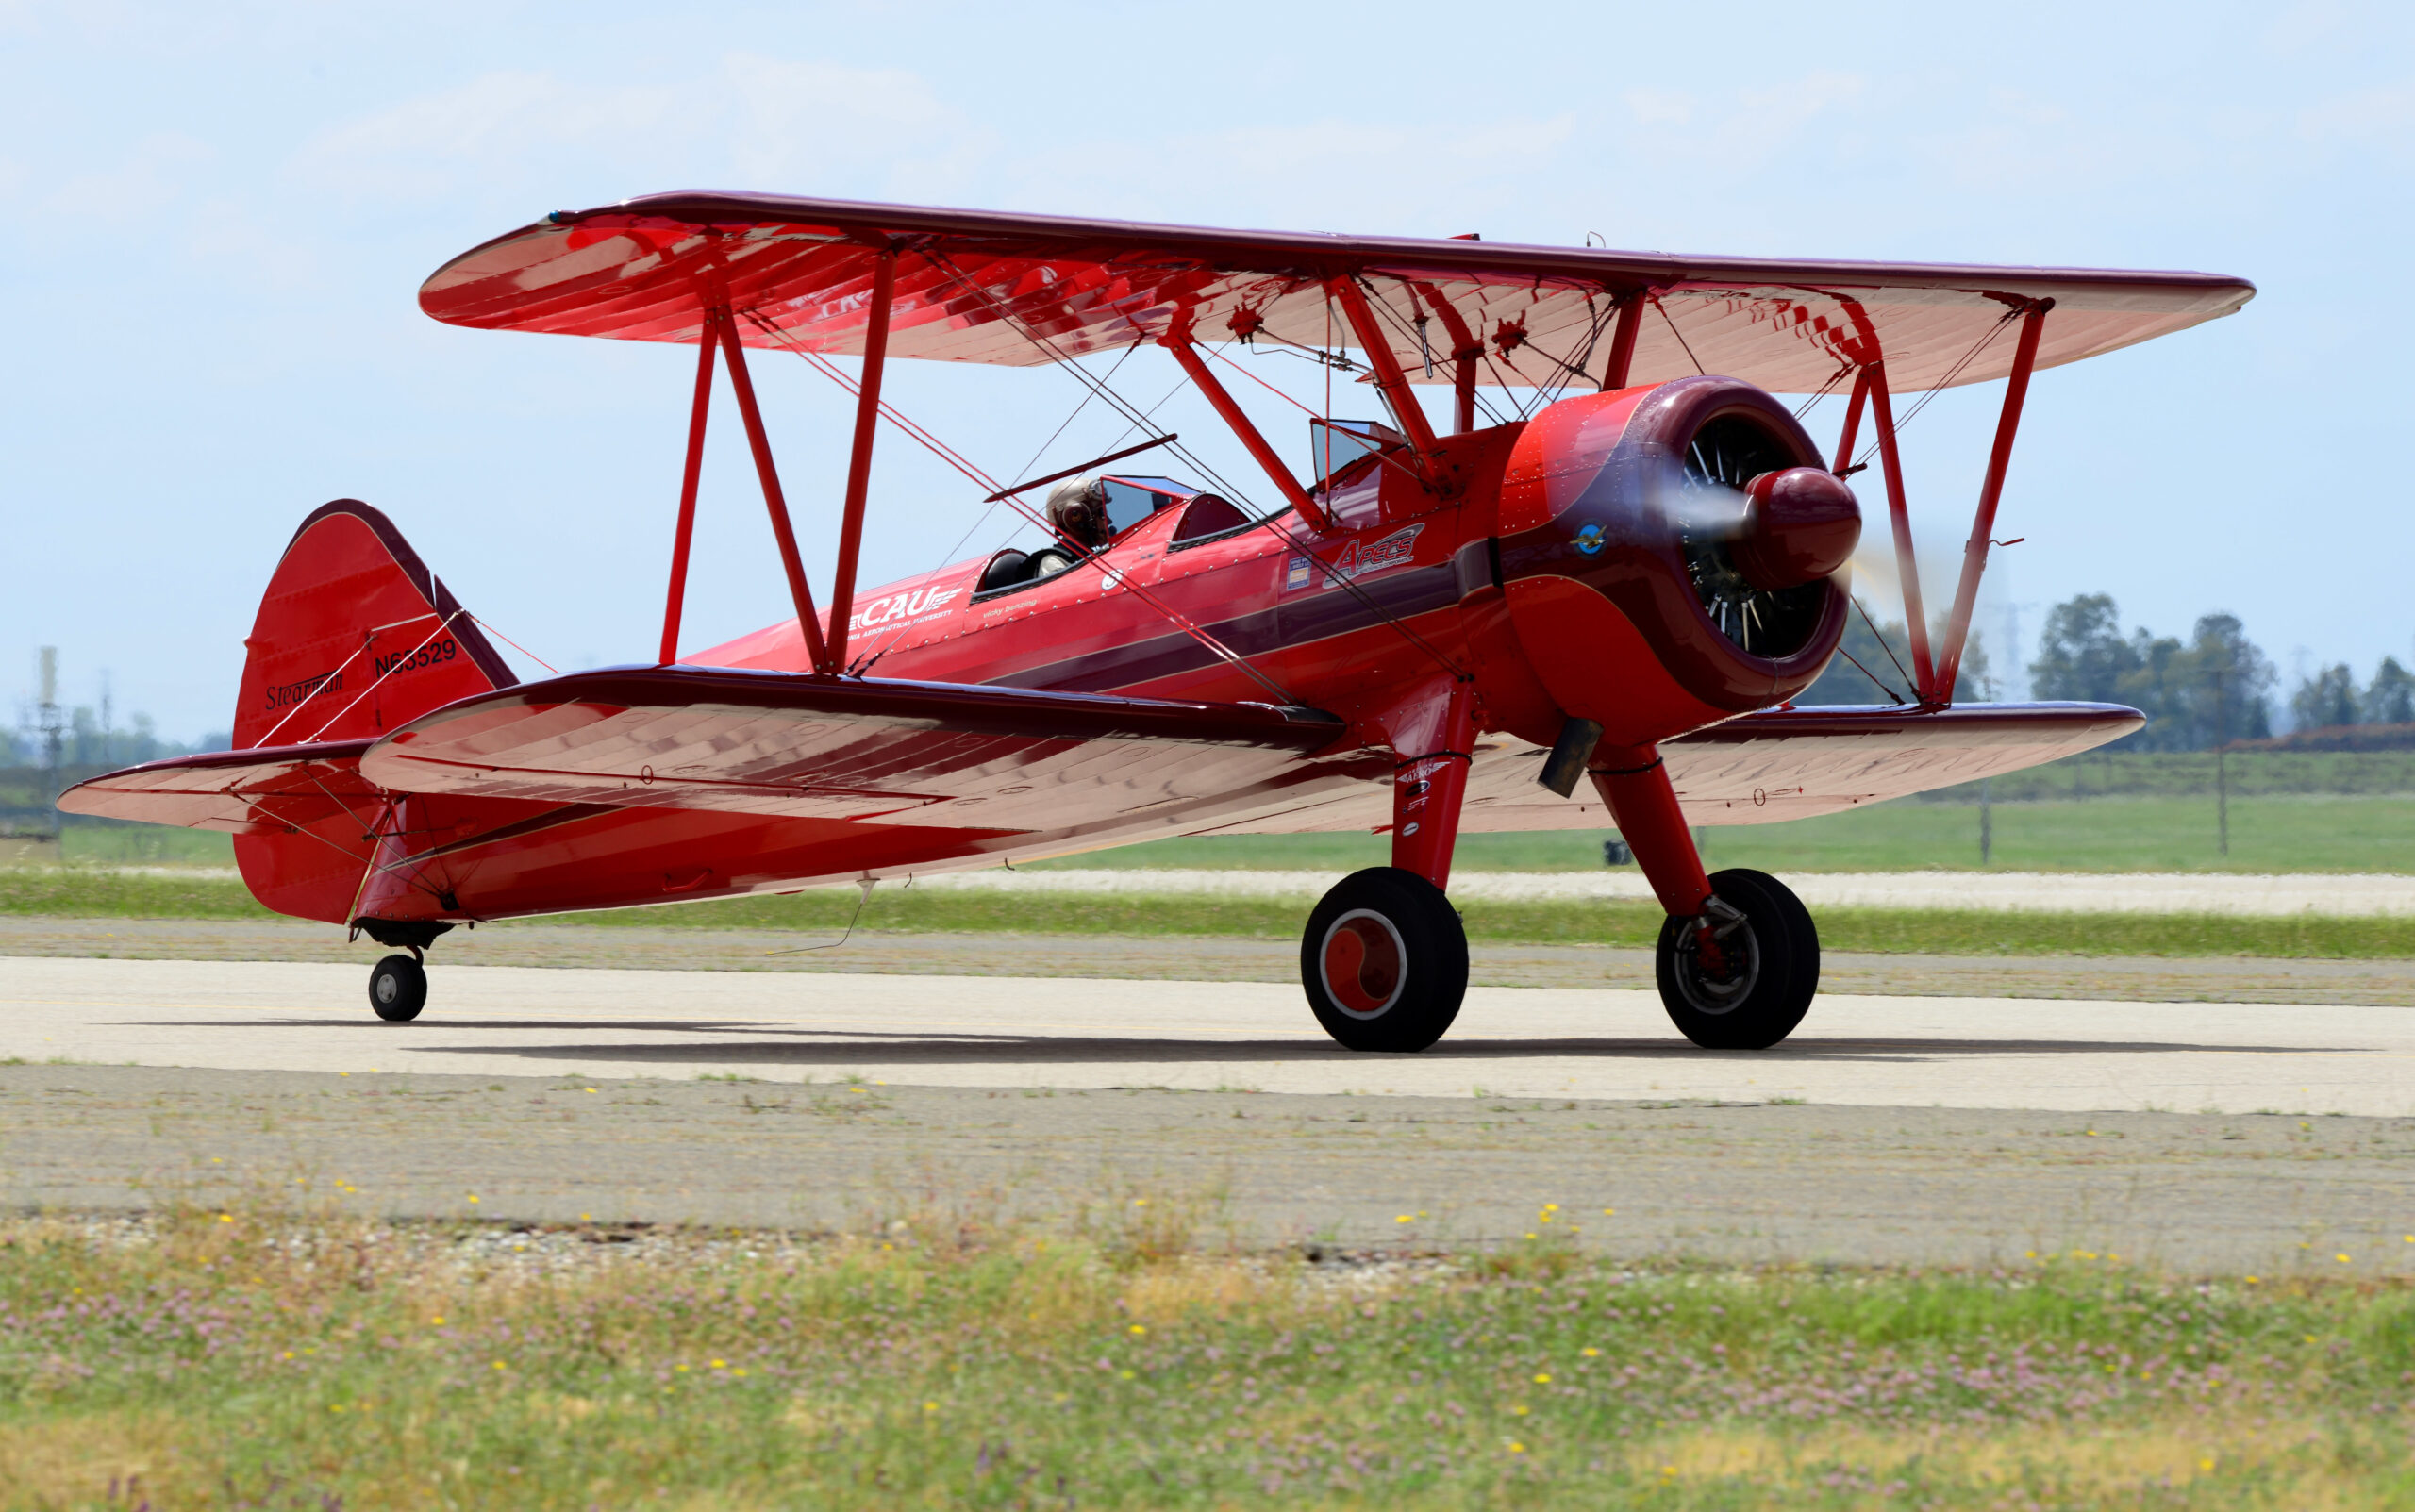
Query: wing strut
(734, 353)
(689, 478)
(1983, 520)
(1934, 676)
(1389, 376)
(851, 528)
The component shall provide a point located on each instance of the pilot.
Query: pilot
(1078, 507)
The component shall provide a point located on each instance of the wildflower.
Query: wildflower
(474, 1197)
(1533, 1235)
(289, 1354)
(1543, 1379)
(1139, 1329)
(587, 1088)
(498, 1365)
(1405, 1218)
(436, 1323)
(930, 1406)
(226, 1217)
(1590, 1352)
(1516, 1448)
(2342, 1258)
(2251, 1281)
(1128, 1375)
(2204, 1464)
(586, 1218)
(1518, 1411)
(1609, 1212)
(741, 1371)
(721, 1365)
(681, 1368)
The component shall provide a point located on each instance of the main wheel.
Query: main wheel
(398, 989)
(1748, 982)
(1385, 962)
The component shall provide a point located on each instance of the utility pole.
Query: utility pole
(108, 721)
(2222, 772)
(51, 726)
(1987, 824)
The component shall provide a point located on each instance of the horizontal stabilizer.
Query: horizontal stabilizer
(271, 791)
(789, 745)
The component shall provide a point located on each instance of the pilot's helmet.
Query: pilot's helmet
(1078, 507)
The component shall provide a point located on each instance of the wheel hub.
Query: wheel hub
(1364, 963)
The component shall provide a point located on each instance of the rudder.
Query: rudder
(354, 637)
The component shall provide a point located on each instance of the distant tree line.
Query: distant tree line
(2214, 687)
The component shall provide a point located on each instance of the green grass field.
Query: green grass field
(2284, 832)
(2289, 833)
(1117, 1358)
(89, 893)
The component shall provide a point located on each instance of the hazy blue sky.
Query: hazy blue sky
(220, 216)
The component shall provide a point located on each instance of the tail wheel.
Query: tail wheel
(397, 988)
(1742, 976)
(1385, 962)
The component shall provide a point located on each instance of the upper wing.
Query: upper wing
(1774, 765)
(902, 753)
(978, 286)
(268, 791)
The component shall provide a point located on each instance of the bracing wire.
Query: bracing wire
(1181, 621)
(1270, 521)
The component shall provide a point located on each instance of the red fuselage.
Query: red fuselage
(1544, 564)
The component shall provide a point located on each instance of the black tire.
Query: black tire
(1385, 962)
(397, 988)
(1766, 981)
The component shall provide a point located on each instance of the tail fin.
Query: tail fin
(354, 637)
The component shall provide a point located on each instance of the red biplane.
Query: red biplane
(1623, 580)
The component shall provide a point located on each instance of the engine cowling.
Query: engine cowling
(1674, 554)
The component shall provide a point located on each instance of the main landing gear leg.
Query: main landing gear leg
(1385, 958)
(1738, 959)
(398, 984)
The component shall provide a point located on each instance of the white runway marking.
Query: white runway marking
(1004, 1031)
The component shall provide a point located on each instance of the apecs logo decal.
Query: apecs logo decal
(1356, 560)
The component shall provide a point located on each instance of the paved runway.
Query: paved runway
(1973, 1053)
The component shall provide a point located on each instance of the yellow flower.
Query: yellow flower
(721, 1365)
(2342, 1258)
(1127, 1374)
(1590, 1352)
(586, 1218)
(1516, 1448)
(2204, 1464)
(1519, 1411)
(226, 1217)
(289, 1354)
(1139, 1328)
(498, 1365)
(2251, 1281)
(474, 1197)
(1609, 1212)
(1405, 1218)
(681, 1368)
(436, 1323)
(930, 1406)
(1543, 1379)
(1532, 1235)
